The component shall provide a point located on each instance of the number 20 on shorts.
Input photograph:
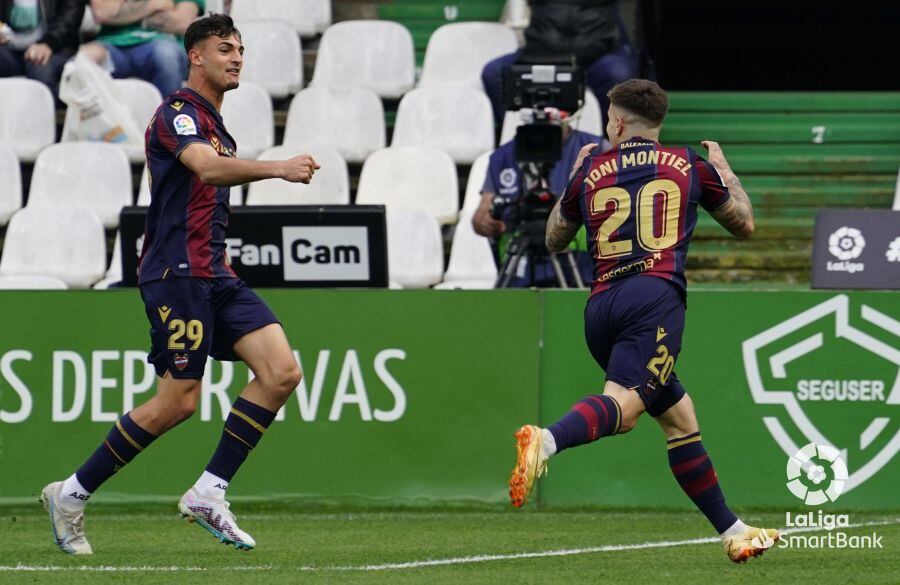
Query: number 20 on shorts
(662, 364)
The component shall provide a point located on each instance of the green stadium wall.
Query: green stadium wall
(411, 397)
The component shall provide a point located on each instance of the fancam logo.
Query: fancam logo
(816, 474)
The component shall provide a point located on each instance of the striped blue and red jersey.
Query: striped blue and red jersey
(638, 202)
(187, 219)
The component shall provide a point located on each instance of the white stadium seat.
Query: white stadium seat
(114, 273)
(476, 180)
(305, 17)
(10, 183)
(471, 260)
(236, 197)
(93, 174)
(329, 186)
(212, 7)
(67, 243)
(374, 54)
(415, 249)
(457, 52)
(35, 282)
(588, 119)
(411, 179)
(272, 57)
(141, 97)
(247, 113)
(27, 116)
(457, 120)
(349, 120)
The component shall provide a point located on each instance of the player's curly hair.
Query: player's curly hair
(219, 25)
(641, 97)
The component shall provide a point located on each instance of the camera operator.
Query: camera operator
(503, 182)
(590, 30)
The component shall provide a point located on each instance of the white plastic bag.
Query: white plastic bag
(102, 117)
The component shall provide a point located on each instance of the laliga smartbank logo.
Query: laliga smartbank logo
(834, 374)
(816, 474)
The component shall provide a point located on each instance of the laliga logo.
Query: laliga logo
(816, 474)
(846, 243)
(767, 377)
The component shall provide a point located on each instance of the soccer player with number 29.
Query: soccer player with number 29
(196, 305)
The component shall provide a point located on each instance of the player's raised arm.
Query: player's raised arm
(561, 229)
(736, 215)
(222, 171)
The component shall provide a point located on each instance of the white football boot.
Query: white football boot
(67, 525)
(213, 515)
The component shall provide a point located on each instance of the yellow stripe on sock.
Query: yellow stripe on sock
(681, 442)
(113, 451)
(128, 437)
(249, 420)
(239, 439)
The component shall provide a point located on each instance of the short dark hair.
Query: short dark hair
(641, 97)
(218, 25)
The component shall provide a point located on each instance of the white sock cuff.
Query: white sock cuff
(737, 528)
(73, 493)
(548, 443)
(209, 485)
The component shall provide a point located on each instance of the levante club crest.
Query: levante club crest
(835, 368)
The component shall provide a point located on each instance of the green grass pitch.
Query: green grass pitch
(300, 543)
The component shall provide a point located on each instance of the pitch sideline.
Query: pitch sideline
(424, 563)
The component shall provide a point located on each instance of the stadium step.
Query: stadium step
(729, 245)
(776, 191)
(747, 276)
(812, 159)
(771, 228)
(750, 260)
(764, 101)
(782, 128)
(423, 17)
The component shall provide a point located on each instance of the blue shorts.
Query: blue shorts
(634, 331)
(193, 318)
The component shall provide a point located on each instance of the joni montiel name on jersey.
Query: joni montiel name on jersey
(634, 159)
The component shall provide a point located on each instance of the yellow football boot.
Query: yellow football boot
(753, 542)
(530, 464)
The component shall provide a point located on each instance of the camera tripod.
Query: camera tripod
(527, 242)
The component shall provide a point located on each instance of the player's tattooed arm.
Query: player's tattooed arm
(118, 12)
(736, 215)
(560, 231)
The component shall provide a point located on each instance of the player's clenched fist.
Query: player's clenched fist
(299, 169)
(582, 154)
(716, 156)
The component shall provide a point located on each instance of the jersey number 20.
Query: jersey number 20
(646, 204)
